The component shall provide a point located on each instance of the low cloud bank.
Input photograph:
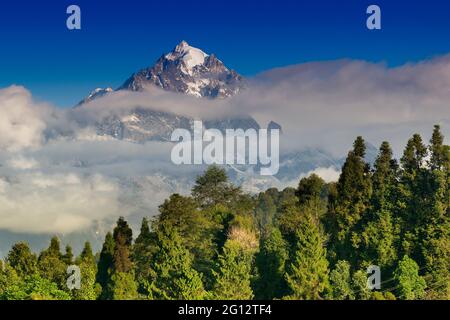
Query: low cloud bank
(56, 175)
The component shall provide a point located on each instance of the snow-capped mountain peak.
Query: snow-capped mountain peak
(188, 70)
(189, 55)
(97, 93)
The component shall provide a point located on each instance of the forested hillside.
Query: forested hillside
(312, 242)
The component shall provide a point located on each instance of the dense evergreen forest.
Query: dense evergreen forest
(315, 241)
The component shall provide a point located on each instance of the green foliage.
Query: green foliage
(310, 189)
(380, 231)
(195, 227)
(105, 265)
(359, 285)
(220, 243)
(89, 289)
(123, 238)
(87, 255)
(8, 278)
(271, 261)
(377, 295)
(353, 193)
(288, 222)
(307, 271)
(21, 259)
(51, 265)
(68, 256)
(340, 280)
(143, 251)
(233, 273)
(346, 286)
(410, 284)
(384, 179)
(115, 268)
(123, 286)
(174, 276)
(378, 241)
(425, 210)
(34, 287)
(213, 188)
(265, 211)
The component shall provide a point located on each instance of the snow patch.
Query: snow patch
(189, 55)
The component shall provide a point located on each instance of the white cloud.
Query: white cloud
(49, 203)
(324, 104)
(50, 183)
(22, 122)
(328, 104)
(20, 162)
(330, 174)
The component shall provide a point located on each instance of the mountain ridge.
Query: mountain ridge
(185, 70)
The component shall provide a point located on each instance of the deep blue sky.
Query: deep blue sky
(120, 37)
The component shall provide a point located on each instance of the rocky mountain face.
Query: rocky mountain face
(143, 125)
(185, 70)
(190, 71)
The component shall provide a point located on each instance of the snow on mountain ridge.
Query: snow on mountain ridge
(189, 55)
(191, 71)
(97, 93)
(186, 70)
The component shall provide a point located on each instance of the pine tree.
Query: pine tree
(174, 276)
(123, 286)
(380, 230)
(265, 211)
(123, 238)
(383, 179)
(22, 260)
(118, 279)
(351, 202)
(439, 157)
(68, 256)
(87, 254)
(55, 247)
(105, 265)
(233, 274)
(425, 210)
(193, 225)
(145, 235)
(307, 271)
(435, 228)
(271, 261)
(143, 250)
(88, 268)
(288, 221)
(51, 265)
(413, 176)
